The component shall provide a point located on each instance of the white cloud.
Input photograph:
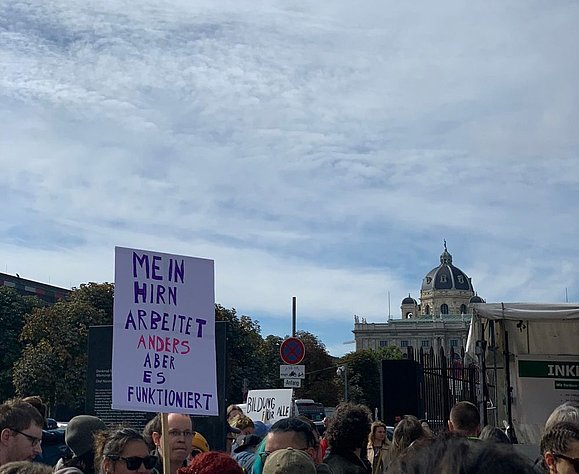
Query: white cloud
(323, 150)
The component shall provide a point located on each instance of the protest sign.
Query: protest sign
(269, 405)
(163, 333)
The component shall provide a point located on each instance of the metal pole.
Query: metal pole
(294, 316)
(345, 382)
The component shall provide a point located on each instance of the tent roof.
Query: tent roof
(527, 311)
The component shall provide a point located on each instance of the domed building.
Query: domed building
(441, 319)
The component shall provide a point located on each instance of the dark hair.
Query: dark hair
(19, 415)
(36, 402)
(465, 417)
(296, 425)
(492, 433)
(212, 462)
(113, 442)
(149, 429)
(459, 455)
(558, 437)
(349, 427)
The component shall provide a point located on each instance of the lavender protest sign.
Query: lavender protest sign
(163, 333)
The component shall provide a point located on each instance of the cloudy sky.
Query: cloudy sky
(322, 150)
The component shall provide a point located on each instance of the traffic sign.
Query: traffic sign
(292, 351)
(292, 371)
(292, 383)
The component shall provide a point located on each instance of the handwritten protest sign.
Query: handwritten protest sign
(269, 405)
(164, 333)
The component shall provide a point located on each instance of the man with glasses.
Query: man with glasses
(180, 437)
(560, 448)
(291, 433)
(20, 431)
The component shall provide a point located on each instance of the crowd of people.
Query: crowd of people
(351, 443)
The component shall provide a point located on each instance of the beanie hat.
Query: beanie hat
(80, 431)
(289, 461)
(199, 442)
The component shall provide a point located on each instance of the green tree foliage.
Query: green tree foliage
(272, 361)
(13, 309)
(320, 382)
(54, 360)
(244, 351)
(364, 374)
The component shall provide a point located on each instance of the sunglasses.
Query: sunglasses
(134, 462)
(573, 461)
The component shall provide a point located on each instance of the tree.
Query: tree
(54, 361)
(245, 367)
(13, 309)
(364, 373)
(320, 383)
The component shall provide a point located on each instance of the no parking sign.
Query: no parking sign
(292, 350)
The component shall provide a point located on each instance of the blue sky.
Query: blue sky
(321, 150)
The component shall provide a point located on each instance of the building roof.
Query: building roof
(48, 293)
(446, 276)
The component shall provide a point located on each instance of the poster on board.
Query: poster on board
(269, 405)
(163, 333)
(543, 383)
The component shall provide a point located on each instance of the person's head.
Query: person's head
(212, 462)
(180, 432)
(233, 411)
(407, 431)
(564, 412)
(492, 433)
(198, 445)
(123, 451)
(243, 423)
(560, 448)
(317, 457)
(454, 454)
(465, 419)
(378, 434)
(80, 434)
(289, 461)
(291, 433)
(36, 402)
(20, 431)
(349, 427)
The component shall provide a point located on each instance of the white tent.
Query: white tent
(542, 343)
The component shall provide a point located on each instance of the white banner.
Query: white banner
(164, 333)
(269, 405)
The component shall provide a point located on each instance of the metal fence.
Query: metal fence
(446, 380)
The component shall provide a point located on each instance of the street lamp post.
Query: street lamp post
(343, 369)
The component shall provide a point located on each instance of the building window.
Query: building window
(444, 309)
(383, 343)
(462, 309)
(454, 343)
(425, 343)
(408, 315)
(427, 309)
(460, 279)
(442, 278)
(428, 280)
(403, 343)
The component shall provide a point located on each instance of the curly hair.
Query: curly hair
(558, 437)
(242, 422)
(212, 462)
(349, 427)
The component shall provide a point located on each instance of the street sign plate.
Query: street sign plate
(292, 371)
(292, 383)
(292, 351)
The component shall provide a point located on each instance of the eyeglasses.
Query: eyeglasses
(134, 462)
(178, 433)
(33, 439)
(573, 461)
